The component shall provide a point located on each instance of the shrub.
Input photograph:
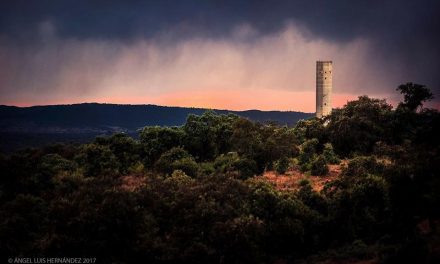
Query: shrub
(370, 200)
(177, 159)
(305, 167)
(308, 151)
(330, 155)
(136, 168)
(231, 162)
(246, 168)
(225, 162)
(282, 165)
(206, 168)
(187, 165)
(303, 182)
(319, 166)
(156, 140)
(362, 166)
(179, 178)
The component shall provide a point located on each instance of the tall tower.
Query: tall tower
(323, 88)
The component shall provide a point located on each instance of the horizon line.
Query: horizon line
(169, 106)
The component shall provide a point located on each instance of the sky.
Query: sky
(234, 55)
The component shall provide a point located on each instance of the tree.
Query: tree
(54, 166)
(370, 198)
(311, 128)
(414, 95)
(279, 142)
(125, 148)
(208, 135)
(359, 125)
(97, 160)
(156, 140)
(247, 141)
(177, 159)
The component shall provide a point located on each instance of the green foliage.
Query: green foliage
(176, 159)
(208, 135)
(278, 142)
(361, 166)
(264, 144)
(246, 139)
(179, 178)
(156, 140)
(361, 208)
(225, 162)
(303, 182)
(126, 149)
(359, 125)
(370, 199)
(310, 129)
(232, 162)
(329, 155)
(319, 166)
(307, 154)
(54, 165)
(282, 165)
(206, 168)
(308, 150)
(97, 160)
(311, 198)
(136, 168)
(246, 168)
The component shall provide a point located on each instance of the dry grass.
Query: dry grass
(284, 182)
(132, 183)
(291, 179)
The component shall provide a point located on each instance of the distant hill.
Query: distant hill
(37, 125)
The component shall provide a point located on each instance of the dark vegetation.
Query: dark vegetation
(37, 126)
(200, 201)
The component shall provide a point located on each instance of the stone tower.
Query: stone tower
(323, 88)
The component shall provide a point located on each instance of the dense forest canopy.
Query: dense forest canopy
(196, 197)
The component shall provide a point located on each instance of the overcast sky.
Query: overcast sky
(216, 54)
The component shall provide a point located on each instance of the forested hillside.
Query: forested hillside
(191, 194)
(124, 117)
(36, 126)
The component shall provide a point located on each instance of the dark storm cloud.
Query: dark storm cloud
(338, 20)
(403, 35)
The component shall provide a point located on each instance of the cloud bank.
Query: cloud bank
(242, 70)
(229, 54)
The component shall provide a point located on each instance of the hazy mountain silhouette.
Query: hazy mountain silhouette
(37, 125)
